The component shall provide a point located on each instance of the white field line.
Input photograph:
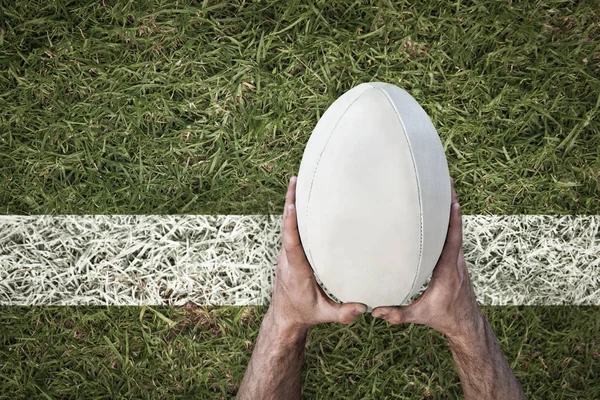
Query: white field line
(229, 259)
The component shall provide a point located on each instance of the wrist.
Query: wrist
(284, 327)
(469, 325)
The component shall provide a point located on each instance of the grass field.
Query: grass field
(120, 107)
(191, 352)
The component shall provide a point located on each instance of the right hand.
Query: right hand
(448, 304)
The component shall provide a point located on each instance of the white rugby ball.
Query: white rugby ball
(373, 196)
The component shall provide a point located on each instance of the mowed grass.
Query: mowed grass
(201, 353)
(167, 108)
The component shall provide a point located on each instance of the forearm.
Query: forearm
(483, 370)
(275, 369)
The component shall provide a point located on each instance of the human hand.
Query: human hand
(448, 304)
(297, 299)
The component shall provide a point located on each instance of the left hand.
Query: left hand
(298, 300)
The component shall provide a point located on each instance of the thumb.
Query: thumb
(412, 313)
(342, 313)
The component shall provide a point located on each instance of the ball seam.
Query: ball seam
(412, 286)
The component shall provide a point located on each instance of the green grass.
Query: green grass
(163, 107)
(166, 107)
(132, 352)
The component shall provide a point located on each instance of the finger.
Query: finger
(291, 238)
(454, 236)
(454, 195)
(462, 264)
(290, 235)
(393, 315)
(415, 312)
(290, 196)
(455, 227)
(342, 313)
(412, 313)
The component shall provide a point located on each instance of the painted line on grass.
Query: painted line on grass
(229, 259)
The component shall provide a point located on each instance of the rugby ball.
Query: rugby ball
(373, 196)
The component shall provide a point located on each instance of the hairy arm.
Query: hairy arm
(297, 303)
(275, 369)
(449, 306)
(482, 368)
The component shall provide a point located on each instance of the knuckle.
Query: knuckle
(395, 318)
(456, 208)
(292, 245)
